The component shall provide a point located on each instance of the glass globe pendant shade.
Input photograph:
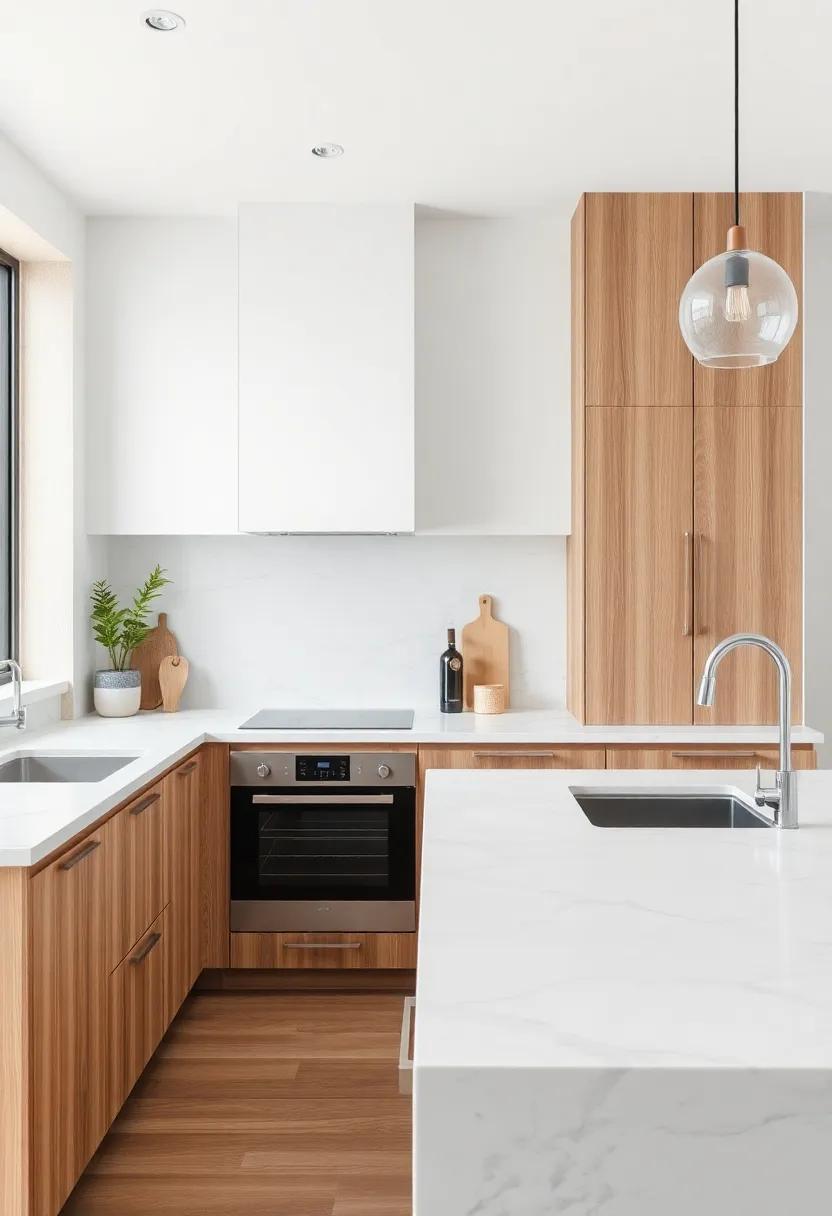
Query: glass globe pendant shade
(738, 310)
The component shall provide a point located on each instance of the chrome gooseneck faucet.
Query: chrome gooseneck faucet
(782, 797)
(18, 715)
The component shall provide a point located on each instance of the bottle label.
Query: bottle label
(455, 664)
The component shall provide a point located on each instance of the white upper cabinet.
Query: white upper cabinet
(492, 374)
(161, 374)
(326, 413)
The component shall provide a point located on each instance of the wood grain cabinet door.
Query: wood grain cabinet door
(136, 1012)
(69, 1020)
(528, 757)
(697, 757)
(749, 561)
(181, 811)
(137, 893)
(324, 951)
(774, 223)
(638, 258)
(639, 521)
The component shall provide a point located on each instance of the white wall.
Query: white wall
(349, 620)
(492, 373)
(326, 368)
(817, 454)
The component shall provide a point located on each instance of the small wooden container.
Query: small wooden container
(489, 698)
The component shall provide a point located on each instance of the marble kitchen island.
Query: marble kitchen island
(634, 1022)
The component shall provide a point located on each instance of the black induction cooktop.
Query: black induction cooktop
(330, 719)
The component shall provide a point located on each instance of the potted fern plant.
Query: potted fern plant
(118, 688)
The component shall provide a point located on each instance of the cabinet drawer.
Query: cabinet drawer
(733, 757)
(137, 894)
(137, 1011)
(317, 951)
(531, 757)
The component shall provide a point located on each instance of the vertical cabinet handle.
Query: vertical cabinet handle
(698, 626)
(687, 627)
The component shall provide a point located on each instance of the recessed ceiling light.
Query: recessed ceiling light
(327, 151)
(162, 20)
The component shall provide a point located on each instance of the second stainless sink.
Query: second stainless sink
(41, 769)
(611, 808)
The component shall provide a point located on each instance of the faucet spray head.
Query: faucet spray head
(707, 691)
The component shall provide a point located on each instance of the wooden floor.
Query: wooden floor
(262, 1104)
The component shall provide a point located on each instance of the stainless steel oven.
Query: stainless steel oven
(324, 841)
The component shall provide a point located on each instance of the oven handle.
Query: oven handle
(322, 800)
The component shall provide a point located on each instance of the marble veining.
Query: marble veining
(633, 1022)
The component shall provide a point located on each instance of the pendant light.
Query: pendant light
(740, 308)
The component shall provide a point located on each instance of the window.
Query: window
(9, 298)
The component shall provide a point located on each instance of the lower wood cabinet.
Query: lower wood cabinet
(114, 950)
(532, 757)
(137, 878)
(137, 1011)
(69, 1035)
(734, 757)
(324, 950)
(181, 882)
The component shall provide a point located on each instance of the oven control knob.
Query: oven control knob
(263, 770)
(384, 771)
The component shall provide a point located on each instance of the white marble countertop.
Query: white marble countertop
(37, 819)
(546, 942)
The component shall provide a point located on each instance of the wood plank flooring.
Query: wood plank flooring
(262, 1104)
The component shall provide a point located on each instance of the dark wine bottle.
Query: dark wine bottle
(450, 678)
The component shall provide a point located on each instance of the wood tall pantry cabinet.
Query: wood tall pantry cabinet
(687, 482)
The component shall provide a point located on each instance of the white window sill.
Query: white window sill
(32, 691)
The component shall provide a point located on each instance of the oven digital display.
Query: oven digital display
(322, 768)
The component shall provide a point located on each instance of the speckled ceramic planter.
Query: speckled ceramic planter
(117, 694)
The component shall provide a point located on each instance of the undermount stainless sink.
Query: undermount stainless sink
(41, 769)
(611, 808)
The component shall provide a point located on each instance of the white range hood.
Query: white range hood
(326, 396)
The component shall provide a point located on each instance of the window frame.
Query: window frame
(13, 506)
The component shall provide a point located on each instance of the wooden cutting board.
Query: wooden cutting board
(484, 652)
(173, 676)
(147, 656)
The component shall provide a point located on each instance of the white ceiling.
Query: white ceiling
(476, 105)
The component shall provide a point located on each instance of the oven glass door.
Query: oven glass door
(351, 845)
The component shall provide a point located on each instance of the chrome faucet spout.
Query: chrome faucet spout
(782, 798)
(707, 691)
(18, 715)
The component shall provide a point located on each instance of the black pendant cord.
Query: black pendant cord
(737, 112)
